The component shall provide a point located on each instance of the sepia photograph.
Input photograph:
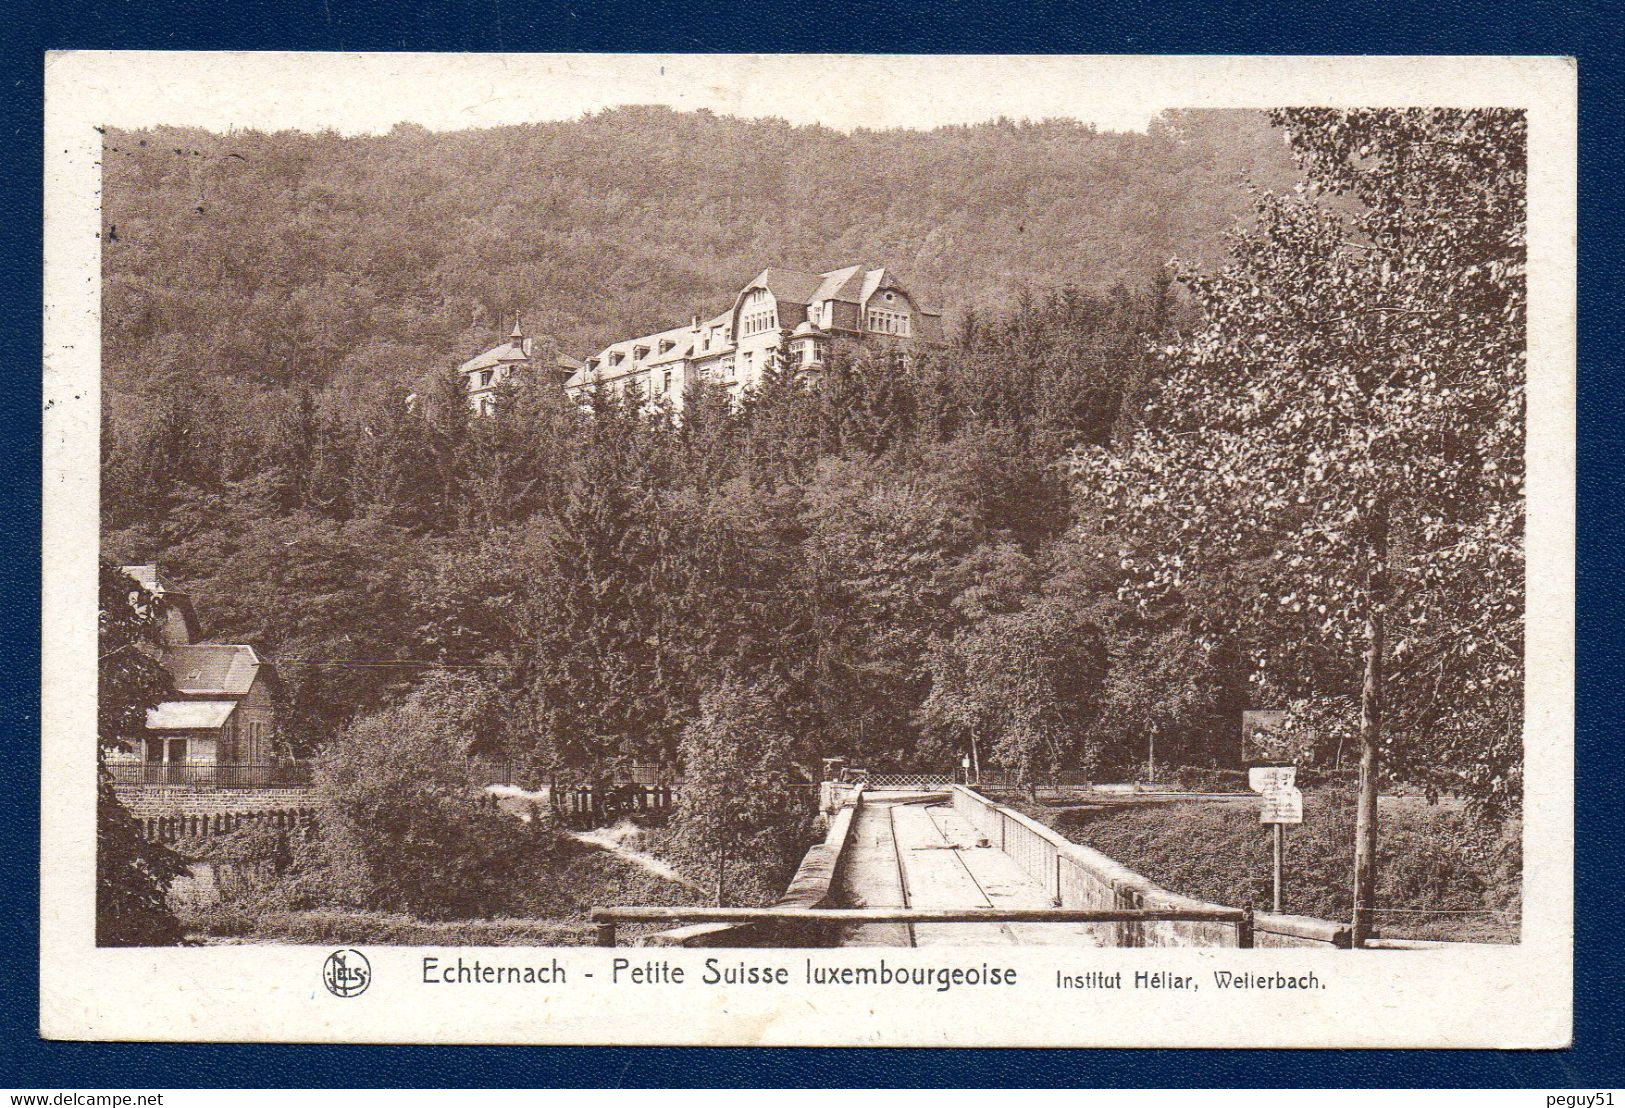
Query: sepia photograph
(763, 506)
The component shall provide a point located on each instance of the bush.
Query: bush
(741, 823)
(1205, 779)
(262, 874)
(133, 877)
(400, 829)
(338, 927)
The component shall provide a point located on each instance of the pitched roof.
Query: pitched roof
(871, 284)
(498, 355)
(212, 668)
(681, 339)
(791, 285)
(841, 284)
(189, 715)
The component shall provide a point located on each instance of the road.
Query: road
(918, 852)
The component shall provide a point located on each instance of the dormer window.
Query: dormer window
(639, 353)
(617, 358)
(666, 345)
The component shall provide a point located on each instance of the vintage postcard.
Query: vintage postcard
(815, 550)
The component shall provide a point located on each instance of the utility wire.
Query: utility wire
(380, 663)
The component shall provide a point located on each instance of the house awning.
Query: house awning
(189, 715)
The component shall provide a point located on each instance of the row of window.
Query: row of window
(757, 322)
(887, 323)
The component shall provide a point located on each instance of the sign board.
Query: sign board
(1281, 806)
(1256, 726)
(1267, 779)
(1283, 803)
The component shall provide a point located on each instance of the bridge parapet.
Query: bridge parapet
(1078, 876)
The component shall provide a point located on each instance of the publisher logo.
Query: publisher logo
(346, 973)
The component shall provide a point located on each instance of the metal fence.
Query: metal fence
(212, 775)
(921, 781)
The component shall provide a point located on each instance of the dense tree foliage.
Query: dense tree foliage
(744, 815)
(1345, 429)
(599, 572)
(1106, 515)
(399, 831)
(132, 875)
(233, 260)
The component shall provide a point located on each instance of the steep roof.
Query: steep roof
(681, 338)
(175, 602)
(507, 353)
(871, 284)
(212, 669)
(791, 285)
(841, 284)
(189, 715)
(151, 578)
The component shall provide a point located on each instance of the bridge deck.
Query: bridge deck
(920, 853)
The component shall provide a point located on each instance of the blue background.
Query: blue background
(1590, 31)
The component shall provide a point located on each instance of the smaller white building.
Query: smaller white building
(485, 373)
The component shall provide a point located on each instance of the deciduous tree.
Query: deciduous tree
(1351, 411)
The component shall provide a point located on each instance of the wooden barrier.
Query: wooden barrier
(194, 825)
(582, 806)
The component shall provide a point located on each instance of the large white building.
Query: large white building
(809, 312)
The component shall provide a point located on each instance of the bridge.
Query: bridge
(923, 862)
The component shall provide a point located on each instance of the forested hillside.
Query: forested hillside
(246, 259)
(895, 560)
(266, 295)
(1115, 511)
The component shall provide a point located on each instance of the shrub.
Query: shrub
(1205, 779)
(741, 822)
(133, 877)
(400, 829)
(339, 927)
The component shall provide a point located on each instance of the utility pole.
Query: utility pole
(1279, 838)
(1371, 722)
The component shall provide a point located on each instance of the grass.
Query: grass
(337, 927)
(548, 907)
(1441, 875)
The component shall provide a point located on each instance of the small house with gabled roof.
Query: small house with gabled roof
(219, 723)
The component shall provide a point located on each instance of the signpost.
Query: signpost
(1283, 804)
